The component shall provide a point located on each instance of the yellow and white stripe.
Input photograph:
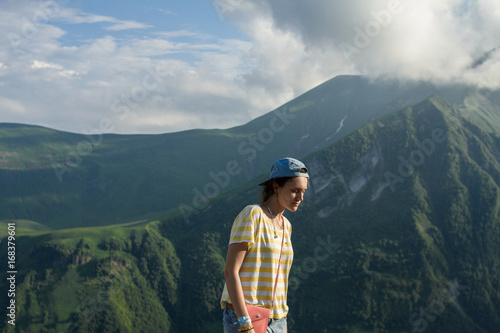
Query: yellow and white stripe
(259, 268)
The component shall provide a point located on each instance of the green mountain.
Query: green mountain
(413, 201)
(398, 233)
(65, 180)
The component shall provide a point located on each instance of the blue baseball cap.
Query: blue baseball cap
(287, 167)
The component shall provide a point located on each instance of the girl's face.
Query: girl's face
(292, 193)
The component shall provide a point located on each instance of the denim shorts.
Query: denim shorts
(230, 323)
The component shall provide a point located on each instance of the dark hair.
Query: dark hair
(268, 189)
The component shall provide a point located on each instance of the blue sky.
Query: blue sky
(165, 66)
(191, 15)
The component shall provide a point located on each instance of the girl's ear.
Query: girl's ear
(275, 187)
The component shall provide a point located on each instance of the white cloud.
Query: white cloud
(11, 106)
(175, 80)
(58, 70)
(75, 16)
(40, 64)
(164, 11)
(131, 82)
(126, 25)
(428, 40)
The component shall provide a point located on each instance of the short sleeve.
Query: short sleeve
(288, 227)
(243, 227)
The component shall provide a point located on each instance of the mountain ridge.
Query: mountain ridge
(94, 177)
(422, 254)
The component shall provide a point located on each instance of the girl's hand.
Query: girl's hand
(247, 325)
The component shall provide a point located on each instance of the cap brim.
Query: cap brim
(264, 183)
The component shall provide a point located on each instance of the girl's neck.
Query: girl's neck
(275, 207)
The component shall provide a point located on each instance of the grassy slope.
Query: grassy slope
(100, 180)
(101, 187)
(23, 227)
(93, 279)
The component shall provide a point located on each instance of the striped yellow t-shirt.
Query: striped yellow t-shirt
(259, 268)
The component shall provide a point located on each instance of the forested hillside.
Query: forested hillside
(399, 232)
(64, 180)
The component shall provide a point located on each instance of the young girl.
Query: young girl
(255, 246)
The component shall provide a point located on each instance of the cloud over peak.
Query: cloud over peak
(424, 40)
